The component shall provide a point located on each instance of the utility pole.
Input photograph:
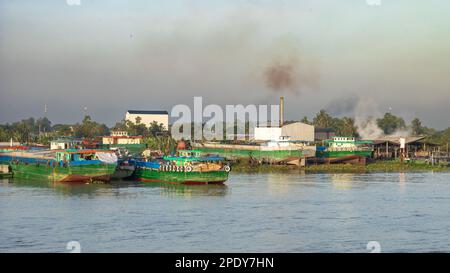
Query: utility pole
(45, 113)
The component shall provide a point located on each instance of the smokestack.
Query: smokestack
(281, 111)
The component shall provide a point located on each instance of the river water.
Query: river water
(290, 212)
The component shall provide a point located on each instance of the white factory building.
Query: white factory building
(296, 131)
(148, 117)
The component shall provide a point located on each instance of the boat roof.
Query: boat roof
(189, 151)
(204, 158)
(148, 112)
(91, 151)
(354, 142)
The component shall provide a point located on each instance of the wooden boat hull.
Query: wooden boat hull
(351, 159)
(180, 177)
(84, 173)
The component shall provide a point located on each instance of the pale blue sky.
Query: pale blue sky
(116, 55)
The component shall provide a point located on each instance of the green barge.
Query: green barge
(267, 152)
(62, 165)
(188, 168)
(342, 147)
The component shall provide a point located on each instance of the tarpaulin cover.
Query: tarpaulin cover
(109, 158)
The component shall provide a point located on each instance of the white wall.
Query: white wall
(121, 140)
(267, 133)
(59, 145)
(147, 119)
(298, 131)
(129, 141)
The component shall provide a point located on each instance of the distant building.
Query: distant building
(414, 146)
(148, 117)
(324, 133)
(64, 143)
(297, 131)
(119, 133)
(121, 138)
(268, 133)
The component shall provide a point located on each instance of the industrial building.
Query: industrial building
(296, 131)
(148, 117)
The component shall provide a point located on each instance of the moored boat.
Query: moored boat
(186, 168)
(70, 165)
(341, 147)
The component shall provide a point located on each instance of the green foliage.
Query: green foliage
(26, 130)
(120, 126)
(62, 130)
(156, 129)
(442, 138)
(166, 144)
(343, 126)
(139, 129)
(391, 123)
(44, 125)
(90, 129)
(305, 120)
(323, 120)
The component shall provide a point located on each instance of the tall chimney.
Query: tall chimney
(281, 111)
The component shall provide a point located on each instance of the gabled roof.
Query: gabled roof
(144, 112)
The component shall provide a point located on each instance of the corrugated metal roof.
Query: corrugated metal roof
(147, 112)
(396, 140)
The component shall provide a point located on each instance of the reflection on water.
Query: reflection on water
(342, 180)
(113, 188)
(284, 212)
(188, 190)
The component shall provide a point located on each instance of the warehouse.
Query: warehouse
(148, 117)
(296, 131)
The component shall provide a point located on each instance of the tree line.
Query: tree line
(42, 131)
(389, 124)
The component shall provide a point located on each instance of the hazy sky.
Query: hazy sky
(110, 56)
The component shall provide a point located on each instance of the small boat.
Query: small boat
(71, 165)
(188, 168)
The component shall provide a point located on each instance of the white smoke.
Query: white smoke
(366, 113)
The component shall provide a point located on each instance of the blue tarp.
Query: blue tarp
(321, 148)
(150, 164)
(7, 158)
(86, 162)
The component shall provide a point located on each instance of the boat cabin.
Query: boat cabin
(345, 143)
(74, 155)
(189, 153)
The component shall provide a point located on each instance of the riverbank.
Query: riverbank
(376, 166)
